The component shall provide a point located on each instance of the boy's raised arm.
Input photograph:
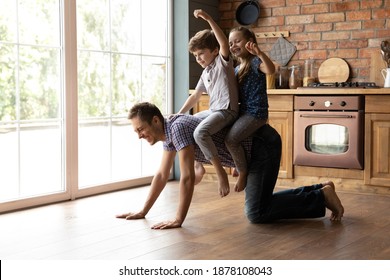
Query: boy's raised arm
(221, 37)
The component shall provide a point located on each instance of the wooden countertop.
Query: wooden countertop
(328, 91)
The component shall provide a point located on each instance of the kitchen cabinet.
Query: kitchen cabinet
(377, 140)
(374, 178)
(203, 104)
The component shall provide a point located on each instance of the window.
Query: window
(122, 58)
(31, 116)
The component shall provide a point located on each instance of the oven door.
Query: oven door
(329, 139)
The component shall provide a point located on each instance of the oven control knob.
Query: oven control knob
(312, 103)
(328, 103)
(343, 103)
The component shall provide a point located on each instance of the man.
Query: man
(263, 151)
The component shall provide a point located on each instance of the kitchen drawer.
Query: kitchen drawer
(377, 104)
(281, 103)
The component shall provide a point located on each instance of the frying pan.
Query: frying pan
(247, 13)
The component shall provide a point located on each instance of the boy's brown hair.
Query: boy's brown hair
(204, 39)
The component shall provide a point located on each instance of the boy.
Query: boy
(211, 50)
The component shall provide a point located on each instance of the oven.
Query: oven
(329, 131)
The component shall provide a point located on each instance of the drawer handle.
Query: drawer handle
(323, 116)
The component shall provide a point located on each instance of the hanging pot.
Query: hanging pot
(247, 13)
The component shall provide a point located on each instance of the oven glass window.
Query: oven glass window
(327, 139)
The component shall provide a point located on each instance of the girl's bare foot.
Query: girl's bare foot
(241, 182)
(333, 203)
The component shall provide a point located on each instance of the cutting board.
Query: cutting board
(333, 70)
(376, 65)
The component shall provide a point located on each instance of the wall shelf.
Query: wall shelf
(274, 34)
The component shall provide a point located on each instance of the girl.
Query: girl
(253, 113)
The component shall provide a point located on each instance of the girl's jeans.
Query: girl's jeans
(261, 204)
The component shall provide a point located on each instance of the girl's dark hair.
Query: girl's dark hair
(145, 111)
(245, 62)
(204, 39)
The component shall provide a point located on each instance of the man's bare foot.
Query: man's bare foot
(199, 172)
(329, 183)
(333, 203)
(241, 182)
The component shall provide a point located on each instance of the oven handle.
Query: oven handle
(327, 116)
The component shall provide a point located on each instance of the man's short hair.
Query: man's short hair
(145, 111)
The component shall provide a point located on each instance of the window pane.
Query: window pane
(44, 17)
(39, 81)
(40, 158)
(126, 82)
(126, 26)
(94, 152)
(93, 84)
(8, 61)
(93, 24)
(31, 123)
(154, 27)
(9, 162)
(111, 80)
(154, 81)
(8, 27)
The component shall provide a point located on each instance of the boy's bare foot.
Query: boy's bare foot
(333, 203)
(223, 181)
(199, 172)
(223, 185)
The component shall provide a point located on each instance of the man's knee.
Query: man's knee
(255, 217)
(254, 212)
(251, 212)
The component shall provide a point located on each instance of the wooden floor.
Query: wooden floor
(215, 229)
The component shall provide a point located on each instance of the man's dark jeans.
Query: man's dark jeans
(262, 205)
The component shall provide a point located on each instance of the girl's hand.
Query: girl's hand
(253, 48)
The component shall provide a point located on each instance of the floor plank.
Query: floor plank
(216, 228)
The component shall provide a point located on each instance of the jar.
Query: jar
(308, 76)
(295, 79)
(281, 78)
